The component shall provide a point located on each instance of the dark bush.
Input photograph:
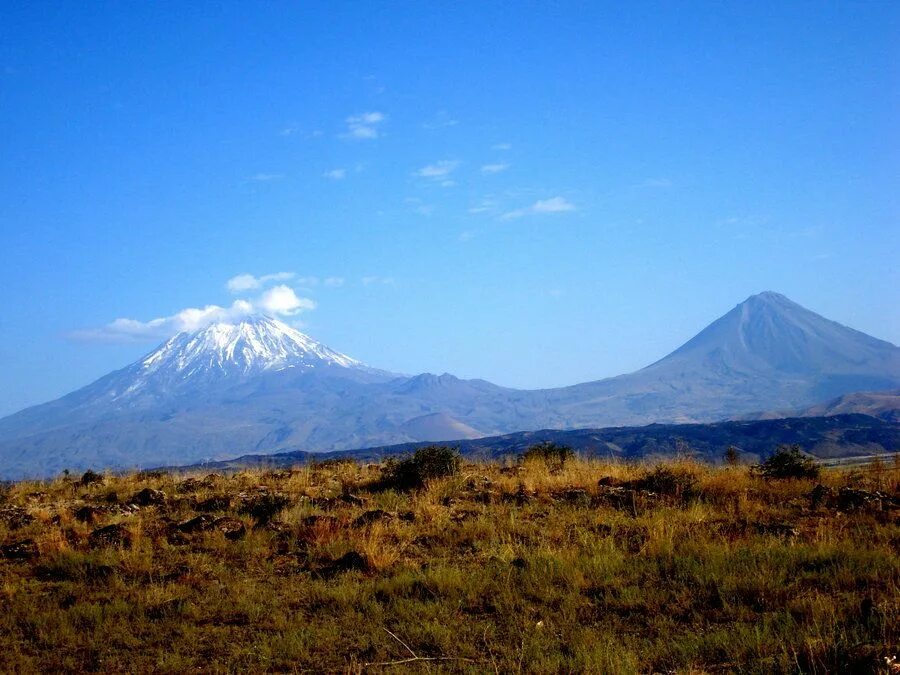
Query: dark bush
(552, 454)
(788, 462)
(410, 473)
(666, 481)
(91, 478)
(732, 456)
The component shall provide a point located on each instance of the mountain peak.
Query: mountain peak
(768, 296)
(255, 343)
(768, 332)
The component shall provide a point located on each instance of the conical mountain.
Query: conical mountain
(259, 386)
(769, 332)
(766, 353)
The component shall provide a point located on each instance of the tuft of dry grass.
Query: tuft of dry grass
(540, 566)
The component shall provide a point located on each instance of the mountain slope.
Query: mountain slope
(884, 405)
(261, 386)
(767, 350)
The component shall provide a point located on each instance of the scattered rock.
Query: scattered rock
(200, 523)
(474, 483)
(15, 517)
(352, 561)
(849, 499)
(330, 503)
(525, 496)
(25, 549)
(214, 503)
(821, 495)
(626, 499)
(189, 485)
(88, 514)
(463, 515)
(111, 535)
(148, 497)
(232, 528)
(265, 506)
(607, 481)
(352, 500)
(277, 526)
(320, 521)
(370, 517)
(407, 516)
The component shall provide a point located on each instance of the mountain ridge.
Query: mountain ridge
(837, 436)
(263, 386)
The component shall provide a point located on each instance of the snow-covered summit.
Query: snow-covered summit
(255, 344)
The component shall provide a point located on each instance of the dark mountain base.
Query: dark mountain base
(825, 437)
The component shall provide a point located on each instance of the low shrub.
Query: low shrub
(552, 454)
(788, 462)
(670, 482)
(410, 473)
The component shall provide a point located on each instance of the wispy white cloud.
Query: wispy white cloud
(266, 177)
(336, 174)
(542, 206)
(364, 126)
(501, 146)
(418, 206)
(486, 205)
(438, 170)
(248, 282)
(306, 282)
(377, 280)
(466, 235)
(279, 301)
(494, 168)
(552, 205)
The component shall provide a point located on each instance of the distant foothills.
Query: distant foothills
(258, 386)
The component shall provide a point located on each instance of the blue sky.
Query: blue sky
(536, 196)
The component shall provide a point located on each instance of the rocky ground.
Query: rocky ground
(533, 566)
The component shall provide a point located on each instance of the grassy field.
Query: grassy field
(533, 567)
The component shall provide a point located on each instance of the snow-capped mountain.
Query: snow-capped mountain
(260, 386)
(255, 345)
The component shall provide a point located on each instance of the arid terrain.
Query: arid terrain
(547, 564)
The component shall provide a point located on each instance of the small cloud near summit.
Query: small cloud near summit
(542, 206)
(438, 170)
(248, 282)
(277, 301)
(364, 126)
(494, 168)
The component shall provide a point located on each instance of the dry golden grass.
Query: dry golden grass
(499, 568)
